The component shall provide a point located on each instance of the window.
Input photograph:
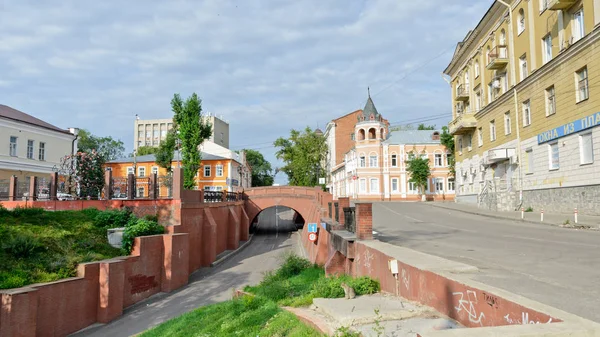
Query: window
(163, 134)
(460, 144)
(582, 84)
(547, 48)
(30, 149)
(363, 161)
(469, 142)
(550, 101)
(586, 148)
(208, 188)
(219, 188)
(529, 161)
(141, 171)
(148, 133)
(222, 138)
(439, 184)
(476, 69)
(130, 170)
(374, 185)
(207, 170)
(412, 188)
(42, 151)
(439, 160)
(372, 161)
(411, 155)
(155, 133)
(554, 156)
(394, 184)
(490, 90)
(480, 137)
(521, 22)
(154, 170)
(507, 129)
(140, 134)
(13, 146)
(219, 170)
(424, 155)
(526, 113)
(394, 160)
(578, 26)
(140, 192)
(362, 186)
(478, 101)
(450, 185)
(523, 66)
(493, 130)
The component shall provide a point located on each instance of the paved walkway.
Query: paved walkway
(550, 218)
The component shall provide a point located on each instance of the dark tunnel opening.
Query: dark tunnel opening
(277, 219)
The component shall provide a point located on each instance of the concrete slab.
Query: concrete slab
(421, 260)
(530, 330)
(408, 327)
(368, 309)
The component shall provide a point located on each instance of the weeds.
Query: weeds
(529, 209)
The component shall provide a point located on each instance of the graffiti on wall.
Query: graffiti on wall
(405, 278)
(368, 257)
(468, 302)
(524, 319)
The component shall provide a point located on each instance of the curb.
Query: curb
(233, 253)
(505, 218)
(311, 320)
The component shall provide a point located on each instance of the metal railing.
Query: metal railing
(4, 188)
(350, 219)
(165, 186)
(213, 196)
(232, 196)
(22, 189)
(119, 188)
(142, 187)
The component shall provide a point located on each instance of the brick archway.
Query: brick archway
(306, 201)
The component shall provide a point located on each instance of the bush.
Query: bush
(22, 246)
(90, 212)
(364, 285)
(293, 266)
(24, 212)
(113, 218)
(139, 227)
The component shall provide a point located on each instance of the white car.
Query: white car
(64, 196)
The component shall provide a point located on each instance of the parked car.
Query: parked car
(120, 196)
(64, 196)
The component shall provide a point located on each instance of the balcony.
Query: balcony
(462, 93)
(463, 123)
(497, 58)
(498, 155)
(556, 5)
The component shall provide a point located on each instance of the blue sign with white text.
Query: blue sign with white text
(569, 128)
(312, 227)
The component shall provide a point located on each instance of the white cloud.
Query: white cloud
(267, 66)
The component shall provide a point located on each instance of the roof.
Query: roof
(412, 137)
(151, 158)
(348, 114)
(370, 109)
(19, 116)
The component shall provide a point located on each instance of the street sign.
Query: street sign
(312, 237)
(324, 225)
(312, 227)
(354, 177)
(321, 181)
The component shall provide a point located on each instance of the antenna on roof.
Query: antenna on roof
(369, 92)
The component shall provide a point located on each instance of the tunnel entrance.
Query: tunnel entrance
(276, 219)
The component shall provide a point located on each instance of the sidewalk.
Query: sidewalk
(555, 219)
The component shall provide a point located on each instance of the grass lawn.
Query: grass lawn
(41, 246)
(295, 283)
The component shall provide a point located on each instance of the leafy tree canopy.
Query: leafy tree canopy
(302, 153)
(422, 126)
(107, 147)
(144, 150)
(164, 152)
(419, 171)
(448, 141)
(262, 172)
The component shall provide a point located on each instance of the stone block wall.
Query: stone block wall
(565, 199)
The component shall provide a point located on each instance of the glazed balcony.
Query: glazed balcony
(497, 58)
(556, 5)
(464, 123)
(462, 93)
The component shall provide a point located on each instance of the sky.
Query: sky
(266, 66)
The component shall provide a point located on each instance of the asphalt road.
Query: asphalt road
(207, 286)
(556, 266)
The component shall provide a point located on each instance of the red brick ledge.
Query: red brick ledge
(311, 320)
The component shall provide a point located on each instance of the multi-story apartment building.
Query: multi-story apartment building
(526, 102)
(339, 136)
(31, 147)
(376, 166)
(151, 132)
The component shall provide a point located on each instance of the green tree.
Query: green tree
(107, 147)
(303, 154)
(144, 150)
(192, 131)
(448, 141)
(405, 127)
(422, 126)
(419, 171)
(85, 173)
(165, 151)
(261, 169)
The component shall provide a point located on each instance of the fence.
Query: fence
(42, 188)
(213, 196)
(350, 219)
(142, 187)
(119, 188)
(4, 188)
(165, 186)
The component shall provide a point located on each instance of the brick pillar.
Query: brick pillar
(112, 283)
(153, 188)
(343, 203)
(130, 186)
(12, 188)
(53, 185)
(33, 192)
(177, 183)
(108, 184)
(18, 312)
(364, 221)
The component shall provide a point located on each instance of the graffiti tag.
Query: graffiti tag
(491, 300)
(405, 278)
(524, 319)
(468, 303)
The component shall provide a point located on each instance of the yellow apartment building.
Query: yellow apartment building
(526, 106)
